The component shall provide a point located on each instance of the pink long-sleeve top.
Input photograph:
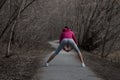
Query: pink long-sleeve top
(67, 33)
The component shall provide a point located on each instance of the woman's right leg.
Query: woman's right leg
(74, 45)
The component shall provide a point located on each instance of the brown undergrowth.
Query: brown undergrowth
(23, 63)
(102, 67)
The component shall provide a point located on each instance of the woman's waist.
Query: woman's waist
(67, 38)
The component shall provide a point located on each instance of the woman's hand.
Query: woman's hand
(67, 48)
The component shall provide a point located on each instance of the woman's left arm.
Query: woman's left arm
(61, 37)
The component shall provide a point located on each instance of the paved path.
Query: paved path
(65, 66)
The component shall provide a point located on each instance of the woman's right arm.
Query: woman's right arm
(74, 38)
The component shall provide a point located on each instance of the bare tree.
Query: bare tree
(2, 2)
(98, 26)
(15, 12)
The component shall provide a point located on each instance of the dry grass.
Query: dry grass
(23, 64)
(102, 67)
(114, 57)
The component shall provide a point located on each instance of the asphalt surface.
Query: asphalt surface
(65, 66)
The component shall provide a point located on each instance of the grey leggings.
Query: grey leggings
(66, 41)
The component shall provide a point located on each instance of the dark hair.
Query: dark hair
(66, 27)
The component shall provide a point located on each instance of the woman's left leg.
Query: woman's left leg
(62, 44)
(51, 57)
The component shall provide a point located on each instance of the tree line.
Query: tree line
(98, 26)
(96, 22)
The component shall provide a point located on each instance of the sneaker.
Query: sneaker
(46, 64)
(83, 65)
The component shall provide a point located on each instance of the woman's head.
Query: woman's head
(66, 27)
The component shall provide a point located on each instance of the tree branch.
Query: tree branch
(2, 3)
(27, 5)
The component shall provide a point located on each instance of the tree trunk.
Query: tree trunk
(13, 27)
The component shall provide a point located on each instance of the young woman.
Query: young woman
(67, 38)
